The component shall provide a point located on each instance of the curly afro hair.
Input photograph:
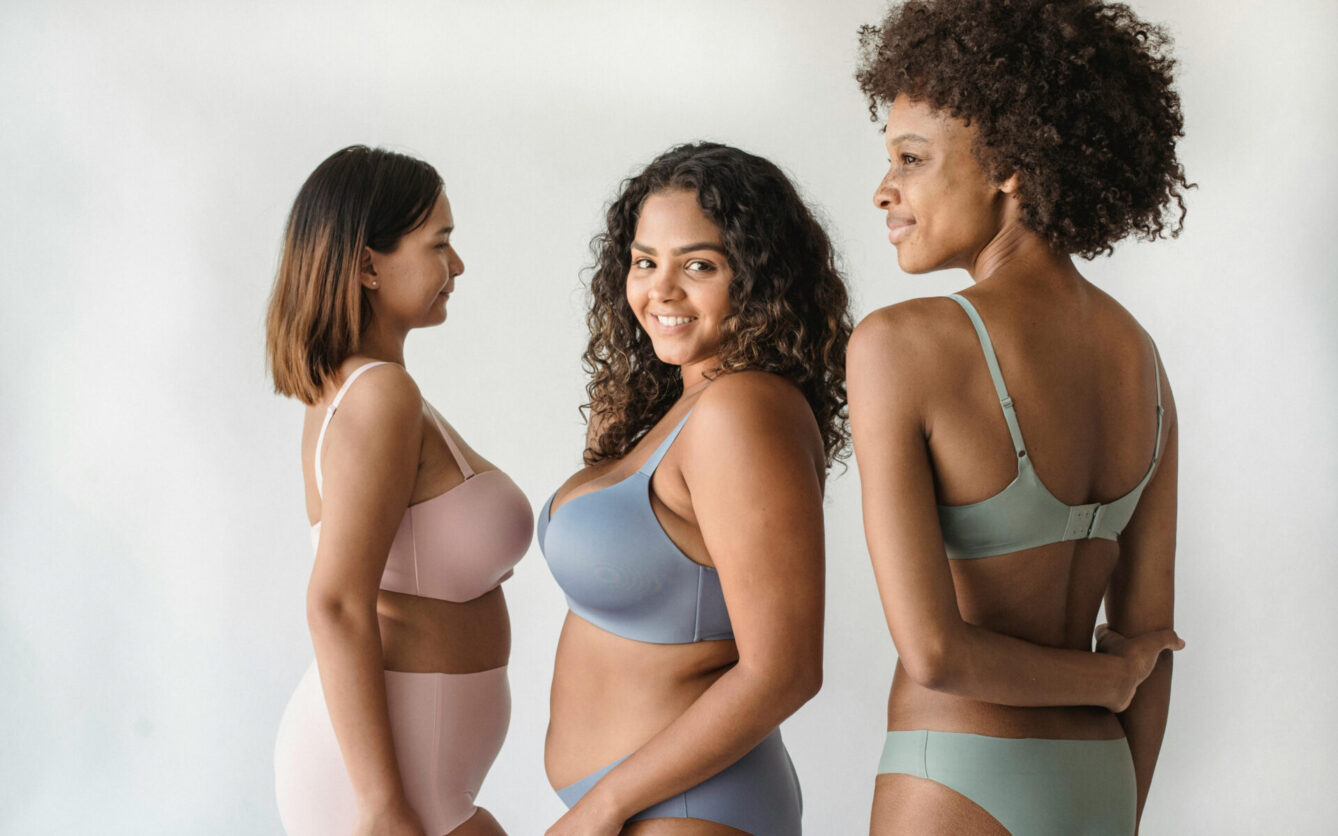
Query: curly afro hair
(789, 303)
(1074, 96)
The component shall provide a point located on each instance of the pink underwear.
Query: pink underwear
(447, 729)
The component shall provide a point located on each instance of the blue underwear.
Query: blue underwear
(758, 794)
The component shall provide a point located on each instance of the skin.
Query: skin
(381, 454)
(1001, 645)
(740, 490)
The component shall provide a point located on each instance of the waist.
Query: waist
(428, 635)
(610, 694)
(911, 707)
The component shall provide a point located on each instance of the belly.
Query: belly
(610, 695)
(425, 635)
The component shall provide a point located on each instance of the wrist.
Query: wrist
(604, 803)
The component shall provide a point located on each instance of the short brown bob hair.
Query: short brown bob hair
(359, 197)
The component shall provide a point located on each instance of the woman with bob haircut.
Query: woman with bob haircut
(690, 547)
(395, 724)
(1017, 442)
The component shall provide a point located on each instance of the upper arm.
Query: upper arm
(370, 464)
(885, 382)
(753, 463)
(1141, 596)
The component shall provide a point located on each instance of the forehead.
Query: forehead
(675, 215)
(907, 119)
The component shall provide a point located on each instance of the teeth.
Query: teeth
(675, 320)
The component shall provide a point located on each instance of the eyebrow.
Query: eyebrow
(446, 230)
(700, 245)
(907, 137)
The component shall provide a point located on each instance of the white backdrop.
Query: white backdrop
(154, 546)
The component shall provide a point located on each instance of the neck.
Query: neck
(694, 373)
(1018, 250)
(382, 342)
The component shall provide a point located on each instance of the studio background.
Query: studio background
(155, 549)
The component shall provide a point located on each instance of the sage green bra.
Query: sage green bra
(1025, 514)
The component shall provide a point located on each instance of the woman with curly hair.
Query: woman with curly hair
(690, 547)
(397, 721)
(1017, 442)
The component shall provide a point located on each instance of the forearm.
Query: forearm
(1144, 723)
(348, 655)
(721, 726)
(992, 667)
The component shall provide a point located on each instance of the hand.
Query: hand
(395, 819)
(1140, 654)
(585, 820)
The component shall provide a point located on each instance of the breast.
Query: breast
(621, 572)
(463, 543)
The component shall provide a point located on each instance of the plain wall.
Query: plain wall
(155, 550)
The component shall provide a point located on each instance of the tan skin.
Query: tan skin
(383, 453)
(1001, 645)
(740, 490)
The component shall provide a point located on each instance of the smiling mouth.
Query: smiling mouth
(672, 321)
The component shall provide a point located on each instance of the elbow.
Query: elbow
(332, 614)
(788, 688)
(930, 662)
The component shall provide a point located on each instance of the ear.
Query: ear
(367, 271)
(1010, 185)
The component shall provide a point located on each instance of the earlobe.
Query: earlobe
(367, 271)
(1010, 185)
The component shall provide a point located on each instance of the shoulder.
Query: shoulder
(905, 342)
(384, 398)
(742, 408)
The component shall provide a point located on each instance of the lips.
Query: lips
(899, 229)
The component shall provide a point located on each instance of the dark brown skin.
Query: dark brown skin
(1001, 645)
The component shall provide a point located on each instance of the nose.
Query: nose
(887, 193)
(457, 265)
(664, 284)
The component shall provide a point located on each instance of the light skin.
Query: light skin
(381, 454)
(740, 490)
(1001, 645)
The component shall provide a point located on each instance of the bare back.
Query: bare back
(1081, 375)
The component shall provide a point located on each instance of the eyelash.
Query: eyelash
(644, 263)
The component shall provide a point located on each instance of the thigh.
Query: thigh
(679, 827)
(905, 804)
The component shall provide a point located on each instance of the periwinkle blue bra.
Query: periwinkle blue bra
(1025, 514)
(622, 573)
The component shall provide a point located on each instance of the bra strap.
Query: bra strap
(654, 461)
(329, 413)
(459, 457)
(1010, 416)
(1156, 370)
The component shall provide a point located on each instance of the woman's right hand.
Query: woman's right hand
(1140, 654)
(396, 819)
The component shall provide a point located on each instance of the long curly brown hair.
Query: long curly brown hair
(1075, 96)
(789, 303)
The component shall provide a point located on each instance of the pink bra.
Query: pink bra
(457, 545)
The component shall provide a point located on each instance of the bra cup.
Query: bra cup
(465, 546)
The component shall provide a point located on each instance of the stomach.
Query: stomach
(610, 694)
(427, 635)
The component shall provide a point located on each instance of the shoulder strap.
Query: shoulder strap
(459, 457)
(329, 413)
(1156, 370)
(654, 461)
(1010, 416)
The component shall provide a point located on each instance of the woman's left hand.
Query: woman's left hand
(585, 820)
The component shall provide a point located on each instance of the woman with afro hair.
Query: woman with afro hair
(690, 546)
(1017, 441)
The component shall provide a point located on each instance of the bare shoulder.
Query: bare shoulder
(749, 406)
(906, 345)
(383, 399)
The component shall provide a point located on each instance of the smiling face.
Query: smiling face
(942, 209)
(678, 282)
(411, 283)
